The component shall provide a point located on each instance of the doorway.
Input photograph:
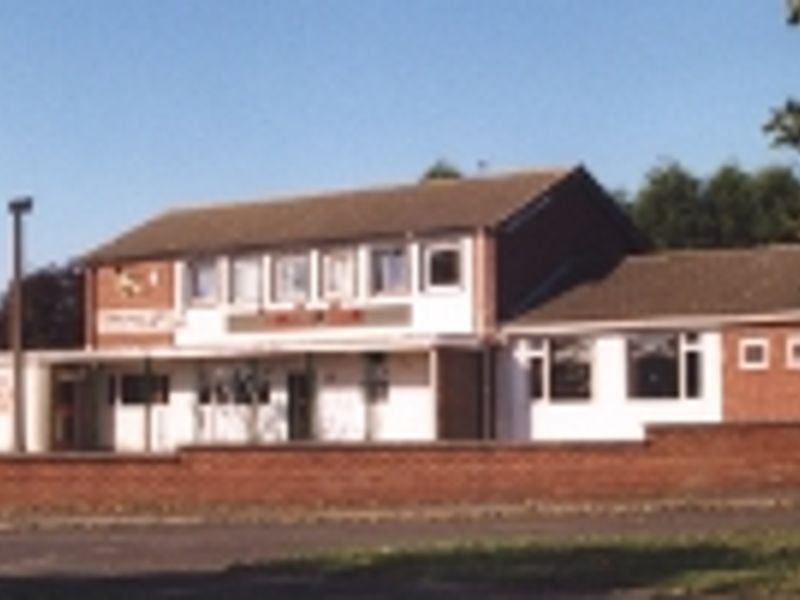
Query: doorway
(75, 411)
(300, 409)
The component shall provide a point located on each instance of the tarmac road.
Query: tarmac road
(209, 559)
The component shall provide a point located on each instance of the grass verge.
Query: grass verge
(741, 565)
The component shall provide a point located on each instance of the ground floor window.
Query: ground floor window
(570, 368)
(664, 366)
(233, 384)
(376, 377)
(144, 388)
(560, 369)
(754, 353)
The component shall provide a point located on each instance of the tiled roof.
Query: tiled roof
(337, 216)
(682, 283)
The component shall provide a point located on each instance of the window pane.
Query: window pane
(794, 353)
(570, 368)
(389, 270)
(376, 377)
(755, 354)
(653, 366)
(692, 368)
(246, 279)
(141, 389)
(338, 274)
(535, 378)
(202, 279)
(444, 267)
(292, 278)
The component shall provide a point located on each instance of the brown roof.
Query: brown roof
(682, 283)
(346, 215)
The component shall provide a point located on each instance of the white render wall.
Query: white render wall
(340, 412)
(609, 414)
(37, 402)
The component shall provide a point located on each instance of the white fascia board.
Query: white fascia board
(661, 322)
(383, 344)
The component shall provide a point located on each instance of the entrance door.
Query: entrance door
(65, 416)
(298, 386)
(75, 414)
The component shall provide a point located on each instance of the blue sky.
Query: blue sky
(113, 111)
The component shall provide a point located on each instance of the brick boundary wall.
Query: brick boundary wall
(675, 463)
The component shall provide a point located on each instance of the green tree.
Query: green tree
(441, 169)
(784, 122)
(53, 309)
(669, 209)
(730, 208)
(734, 213)
(776, 192)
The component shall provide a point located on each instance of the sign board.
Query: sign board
(133, 321)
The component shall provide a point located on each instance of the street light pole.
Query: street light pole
(18, 207)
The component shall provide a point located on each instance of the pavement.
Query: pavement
(177, 558)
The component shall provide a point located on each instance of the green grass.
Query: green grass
(740, 565)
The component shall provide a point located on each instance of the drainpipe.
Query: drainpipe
(488, 394)
(149, 385)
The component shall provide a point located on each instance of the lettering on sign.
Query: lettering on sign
(135, 321)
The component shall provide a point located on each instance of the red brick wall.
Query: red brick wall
(154, 288)
(772, 394)
(485, 289)
(677, 462)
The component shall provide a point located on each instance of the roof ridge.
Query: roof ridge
(327, 194)
(688, 252)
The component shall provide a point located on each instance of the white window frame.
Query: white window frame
(688, 342)
(282, 296)
(541, 348)
(326, 291)
(190, 273)
(406, 288)
(748, 342)
(254, 260)
(428, 251)
(792, 341)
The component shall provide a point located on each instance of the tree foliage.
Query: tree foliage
(441, 169)
(53, 309)
(783, 125)
(730, 208)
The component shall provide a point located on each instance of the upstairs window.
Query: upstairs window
(202, 279)
(245, 280)
(292, 278)
(338, 274)
(442, 266)
(389, 270)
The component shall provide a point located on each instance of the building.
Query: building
(677, 337)
(351, 316)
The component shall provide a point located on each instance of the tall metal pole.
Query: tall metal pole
(18, 207)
